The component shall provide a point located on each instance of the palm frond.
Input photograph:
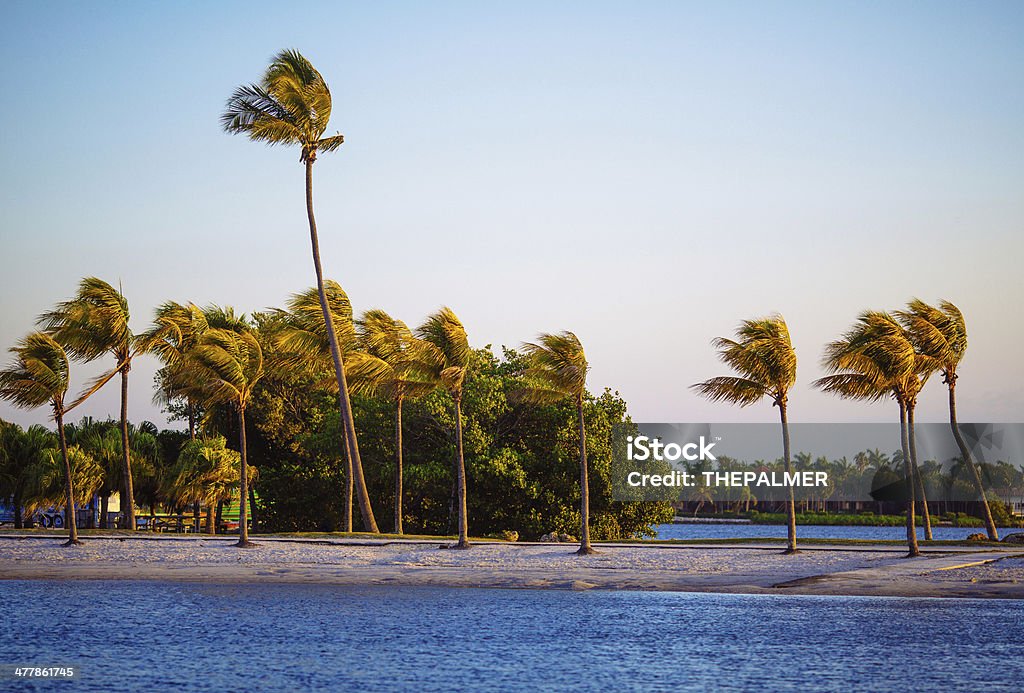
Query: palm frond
(39, 373)
(741, 391)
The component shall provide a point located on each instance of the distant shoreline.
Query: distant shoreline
(954, 572)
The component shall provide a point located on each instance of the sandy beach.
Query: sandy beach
(752, 569)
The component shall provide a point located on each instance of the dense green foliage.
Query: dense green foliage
(521, 459)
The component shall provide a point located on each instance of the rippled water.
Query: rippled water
(171, 636)
(734, 531)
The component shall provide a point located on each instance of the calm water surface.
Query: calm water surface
(185, 636)
(733, 531)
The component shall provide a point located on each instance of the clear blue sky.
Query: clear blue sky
(645, 174)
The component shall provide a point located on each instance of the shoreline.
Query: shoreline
(950, 572)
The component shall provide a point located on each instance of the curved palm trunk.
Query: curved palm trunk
(965, 454)
(398, 466)
(460, 471)
(243, 517)
(918, 480)
(69, 485)
(908, 473)
(126, 461)
(791, 503)
(585, 547)
(339, 370)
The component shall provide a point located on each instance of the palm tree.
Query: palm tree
(94, 323)
(876, 358)
(763, 356)
(205, 473)
(292, 106)
(557, 370)
(40, 374)
(19, 449)
(46, 485)
(390, 364)
(941, 333)
(229, 363)
(304, 344)
(447, 351)
(176, 329)
(102, 441)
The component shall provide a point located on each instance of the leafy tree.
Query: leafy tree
(292, 105)
(763, 356)
(301, 343)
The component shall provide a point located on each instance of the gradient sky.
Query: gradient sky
(643, 173)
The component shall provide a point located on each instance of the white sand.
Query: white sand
(695, 568)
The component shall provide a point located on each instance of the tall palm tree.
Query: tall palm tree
(304, 343)
(40, 374)
(390, 363)
(292, 106)
(941, 333)
(93, 323)
(230, 364)
(875, 359)
(557, 370)
(447, 351)
(763, 356)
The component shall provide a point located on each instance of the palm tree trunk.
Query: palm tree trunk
(398, 465)
(918, 480)
(126, 462)
(196, 522)
(104, 512)
(69, 484)
(791, 503)
(211, 519)
(243, 518)
(585, 547)
(908, 473)
(19, 522)
(349, 485)
(965, 454)
(253, 520)
(460, 471)
(339, 369)
(219, 516)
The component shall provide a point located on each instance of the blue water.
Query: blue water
(185, 636)
(736, 531)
